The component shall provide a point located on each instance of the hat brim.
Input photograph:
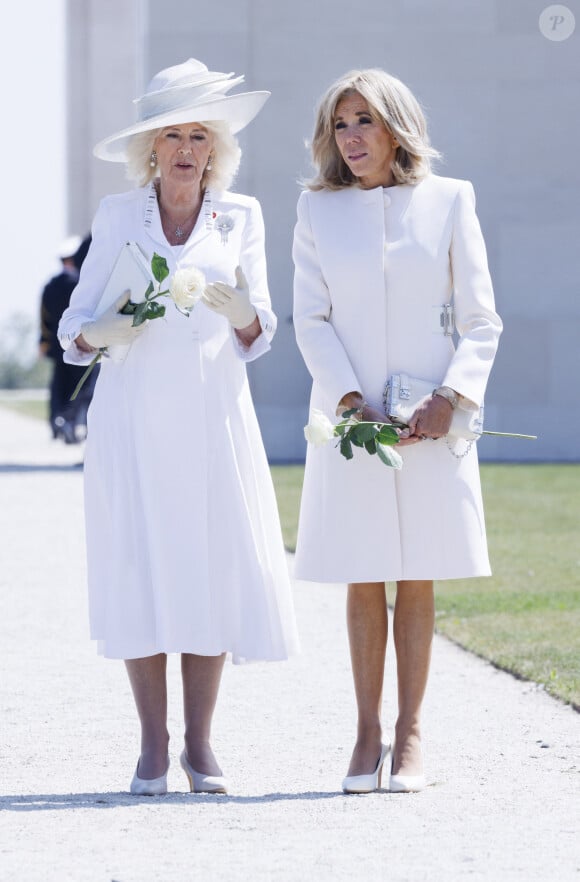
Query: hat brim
(236, 110)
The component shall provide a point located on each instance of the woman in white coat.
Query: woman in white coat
(381, 246)
(184, 546)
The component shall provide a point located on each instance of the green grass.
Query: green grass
(288, 486)
(33, 408)
(525, 618)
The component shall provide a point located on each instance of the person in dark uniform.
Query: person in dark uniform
(68, 419)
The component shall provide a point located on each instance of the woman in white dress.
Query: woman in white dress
(184, 546)
(381, 246)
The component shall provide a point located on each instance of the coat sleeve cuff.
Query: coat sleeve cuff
(261, 344)
(74, 355)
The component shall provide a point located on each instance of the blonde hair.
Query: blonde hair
(226, 155)
(391, 102)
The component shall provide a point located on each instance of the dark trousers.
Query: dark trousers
(66, 415)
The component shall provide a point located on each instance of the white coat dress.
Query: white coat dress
(372, 271)
(184, 547)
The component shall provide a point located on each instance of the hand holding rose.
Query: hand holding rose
(375, 437)
(111, 328)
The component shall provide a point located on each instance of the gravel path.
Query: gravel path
(503, 758)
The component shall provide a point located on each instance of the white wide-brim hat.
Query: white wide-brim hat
(185, 93)
(69, 247)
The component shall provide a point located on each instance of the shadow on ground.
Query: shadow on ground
(40, 802)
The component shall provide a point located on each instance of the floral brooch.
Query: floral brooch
(223, 224)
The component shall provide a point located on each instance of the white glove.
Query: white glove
(111, 327)
(233, 303)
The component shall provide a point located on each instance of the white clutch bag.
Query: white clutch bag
(403, 394)
(131, 272)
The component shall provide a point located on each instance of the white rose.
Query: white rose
(319, 430)
(187, 287)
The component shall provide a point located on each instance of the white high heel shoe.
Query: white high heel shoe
(406, 783)
(368, 783)
(200, 783)
(149, 786)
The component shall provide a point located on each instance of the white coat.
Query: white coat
(183, 539)
(372, 270)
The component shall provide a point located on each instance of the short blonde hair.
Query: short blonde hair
(392, 103)
(226, 155)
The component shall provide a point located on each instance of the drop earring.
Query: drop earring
(153, 159)
(209, 165)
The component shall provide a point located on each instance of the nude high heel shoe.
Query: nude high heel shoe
(368, 783)
(200, 783)
(149, 786)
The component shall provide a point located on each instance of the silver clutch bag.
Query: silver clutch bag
(403, 394)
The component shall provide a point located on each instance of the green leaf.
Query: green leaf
(129, 308)
(159, 267)
(370, 446)
(155, 310)
(365, 431)
(387, 435)
(355, 438)
(140, 314)
(346, 448)
(149, 309)
(346, 414)
(149, 291)
(389, 456)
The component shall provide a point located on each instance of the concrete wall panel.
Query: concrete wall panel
(502, 102)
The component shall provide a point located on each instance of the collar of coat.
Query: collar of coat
(152, 218)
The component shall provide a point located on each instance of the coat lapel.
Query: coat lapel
(205, 222)
(152, 220)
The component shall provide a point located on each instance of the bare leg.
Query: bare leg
(414, 620)
(367, 633)
(201, 676)
(149, 684)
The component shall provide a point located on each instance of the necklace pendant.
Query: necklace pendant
(178, 232)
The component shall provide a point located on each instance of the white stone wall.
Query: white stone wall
(503, 105)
